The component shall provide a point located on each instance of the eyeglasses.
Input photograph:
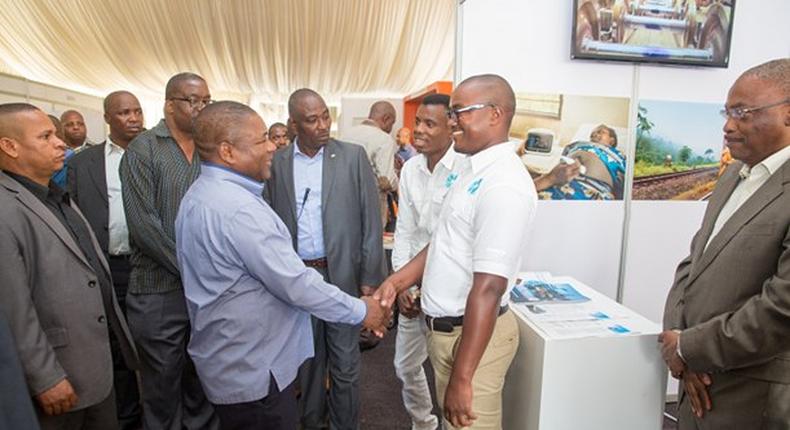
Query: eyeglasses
(194, 102)
(739, 114)
(455, 113)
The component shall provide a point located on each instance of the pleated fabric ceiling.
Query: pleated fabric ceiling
(265, 48)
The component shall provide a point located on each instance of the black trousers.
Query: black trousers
(127, 394)
(276, 411)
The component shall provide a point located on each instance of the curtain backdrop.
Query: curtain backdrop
(265, 48)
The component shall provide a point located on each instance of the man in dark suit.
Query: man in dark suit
(16, 410)
(95, 185)
(55, 283)
(727, 316)
(325, 193)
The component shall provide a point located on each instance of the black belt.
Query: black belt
(319, 263)
(447, 324)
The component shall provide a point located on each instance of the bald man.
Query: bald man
(61, 334)
(251, 319)
(75, 133)
(95, 185)
(374, 135)
(278, 134)
(475, 253)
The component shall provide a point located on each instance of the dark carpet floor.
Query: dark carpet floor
(381, 404)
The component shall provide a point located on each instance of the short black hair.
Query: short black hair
(174, 84)
(112, 95)
(216, 123)
(437, 99)
(8, 126)
(297, 97)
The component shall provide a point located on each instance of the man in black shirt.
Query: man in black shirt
(55, 283)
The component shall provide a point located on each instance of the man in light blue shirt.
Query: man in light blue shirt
(249, 296)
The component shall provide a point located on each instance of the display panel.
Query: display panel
(691, 32)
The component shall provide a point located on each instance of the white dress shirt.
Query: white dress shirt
(421, 195)
(118, 231)
(482, 228)
(751, 180)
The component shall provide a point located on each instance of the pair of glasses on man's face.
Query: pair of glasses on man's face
(740, 113)
(455, 113)
(194, 102)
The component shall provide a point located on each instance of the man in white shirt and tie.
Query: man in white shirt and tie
(422, 190)
(727, 316)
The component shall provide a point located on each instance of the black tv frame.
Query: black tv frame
(724, 63)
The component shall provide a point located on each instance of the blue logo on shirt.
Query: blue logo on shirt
(450, 180)
(474, 186)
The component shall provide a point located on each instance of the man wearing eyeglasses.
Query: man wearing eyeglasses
(156, 170)
(727, 316)
(471, 262)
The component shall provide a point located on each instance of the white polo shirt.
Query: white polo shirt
(482, 228)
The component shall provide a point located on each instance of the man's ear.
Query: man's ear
(226, 154)
(497, 115)
(9, 147)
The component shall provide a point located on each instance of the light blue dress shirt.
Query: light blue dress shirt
(248, 294)
(307, 188)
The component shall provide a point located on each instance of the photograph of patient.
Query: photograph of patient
(573, 146)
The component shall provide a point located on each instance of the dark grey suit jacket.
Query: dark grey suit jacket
(53, 300)
(350, 208)
(88, 188)
(732, 300)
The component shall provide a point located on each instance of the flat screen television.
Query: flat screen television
(689, 32)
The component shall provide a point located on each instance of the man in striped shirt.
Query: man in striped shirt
(156, 170)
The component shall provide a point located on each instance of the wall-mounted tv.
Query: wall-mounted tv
(690, 32)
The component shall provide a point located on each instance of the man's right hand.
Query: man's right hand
(563, 173)
(59, 399)
(696, 387)
(377, 316)
(408, 305)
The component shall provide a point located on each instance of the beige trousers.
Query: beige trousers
(489, 378)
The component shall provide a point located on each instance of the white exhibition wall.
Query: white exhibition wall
(528, 43)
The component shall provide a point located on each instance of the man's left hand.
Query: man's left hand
(458, 403)
(669, 351)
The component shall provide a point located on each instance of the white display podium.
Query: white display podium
(588, 365)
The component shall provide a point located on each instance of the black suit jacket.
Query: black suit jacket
(88, 189)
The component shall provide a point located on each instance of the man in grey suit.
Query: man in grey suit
(727, 316)
(54, 281)
(95, 186)
(325, 193)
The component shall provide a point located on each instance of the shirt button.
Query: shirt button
(91, 284)
(101, 319)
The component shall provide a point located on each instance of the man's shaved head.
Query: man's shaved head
(174, 83)
(383, 114)
(774, 72)
(216, 124)
(297, 97)
(9, 126)
(114, 96)
(498, 90)
(70, 113)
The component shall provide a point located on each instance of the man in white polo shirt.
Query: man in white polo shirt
(422, 190)
(475, 252)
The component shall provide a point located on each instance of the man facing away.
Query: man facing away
(473, 258)
(325, 193)
(156, 170)
(422, 190)
(95, 185)
(55, 284)
(727, 316)
(249, 295)
(374, 135)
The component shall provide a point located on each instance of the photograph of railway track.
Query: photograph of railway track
(679, 149)
(573, 146)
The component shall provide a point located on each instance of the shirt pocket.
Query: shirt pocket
(759, 229)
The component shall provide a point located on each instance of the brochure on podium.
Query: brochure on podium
(562, 307)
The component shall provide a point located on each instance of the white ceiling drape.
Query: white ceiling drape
(265, 48)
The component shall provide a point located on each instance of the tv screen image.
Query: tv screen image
(691, 32)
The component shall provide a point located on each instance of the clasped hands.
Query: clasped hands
(695, 384)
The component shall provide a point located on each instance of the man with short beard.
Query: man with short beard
(95, 185)
(156, 170)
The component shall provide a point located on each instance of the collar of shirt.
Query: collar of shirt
(161, 129)
(769, 166)
(297, 152)
(222, 173)
(53, 192)
(447, 160)
(112, 147)
(484, 158)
